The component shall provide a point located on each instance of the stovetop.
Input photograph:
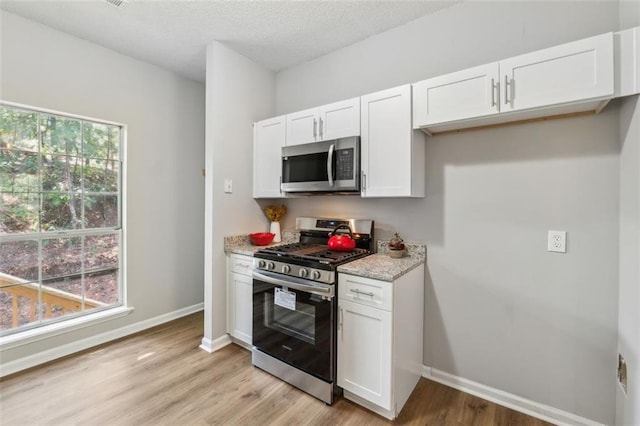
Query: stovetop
(314, 262)
(311, 259)
(319, 253)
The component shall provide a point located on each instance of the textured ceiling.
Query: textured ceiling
(173, 33)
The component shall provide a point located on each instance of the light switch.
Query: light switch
(228, 186)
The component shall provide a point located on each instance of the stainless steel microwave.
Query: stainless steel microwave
(328, 166)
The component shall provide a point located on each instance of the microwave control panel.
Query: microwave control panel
(344, 164)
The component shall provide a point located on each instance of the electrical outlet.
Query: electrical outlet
(622, 373)
(228, 186)
(557, 241)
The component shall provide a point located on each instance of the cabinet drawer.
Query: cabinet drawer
(365, 291)
(241, 264)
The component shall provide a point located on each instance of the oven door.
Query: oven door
(332, 165)
(294, 321)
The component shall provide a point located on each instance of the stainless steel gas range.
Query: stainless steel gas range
(295, 306)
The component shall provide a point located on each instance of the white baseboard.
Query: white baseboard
(213, 345)
(506, 399)
(80, 345)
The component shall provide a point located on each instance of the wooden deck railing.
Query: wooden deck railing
(51, 297)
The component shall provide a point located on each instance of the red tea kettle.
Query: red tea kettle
(341, 242)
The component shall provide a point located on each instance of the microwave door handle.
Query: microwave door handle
(330, 164)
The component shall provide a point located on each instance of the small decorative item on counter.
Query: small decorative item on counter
(261, 238)
(396, 247)
(274, 214)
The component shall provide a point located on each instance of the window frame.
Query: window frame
(54, 326)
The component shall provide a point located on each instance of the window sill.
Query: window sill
(47, 331)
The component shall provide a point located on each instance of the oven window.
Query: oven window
(299, 323)
(306, 168)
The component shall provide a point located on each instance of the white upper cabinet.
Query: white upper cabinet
(337, 120)
(392, 153)
(570, 78)
(340, 119)
(578, 71)
(268, 140)
(456, 96)
(302, 127)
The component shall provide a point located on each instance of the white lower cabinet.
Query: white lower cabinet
(365, 368)
(240, 297)
(380, 339)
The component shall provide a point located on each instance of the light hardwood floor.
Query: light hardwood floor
(161, 377)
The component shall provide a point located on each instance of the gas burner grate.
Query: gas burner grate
(313, 252)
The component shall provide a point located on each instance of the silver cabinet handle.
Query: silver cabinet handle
(320, 127)
(315, 131)
(330, 164)
(507, 86)
(364, 182)
(280, 185)
(340, 322)
(361, 292)
(493, 92)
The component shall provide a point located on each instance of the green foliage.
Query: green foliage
(55, 161)
(18, 129)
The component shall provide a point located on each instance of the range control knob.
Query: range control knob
(262, 264)
(286, 269)
(303, 272)
(271, 265)
(315, 275)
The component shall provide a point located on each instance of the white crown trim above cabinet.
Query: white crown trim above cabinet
(392, 153)
(570, 78)
(332, 121)
(268, 140)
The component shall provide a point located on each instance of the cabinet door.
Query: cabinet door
(241, 307)
(339, 120)
(386, 143)
(268, 140)
(302, 127)
(457, 96)
(577, 71)
(364, 352)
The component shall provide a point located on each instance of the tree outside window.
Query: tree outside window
(60, 217)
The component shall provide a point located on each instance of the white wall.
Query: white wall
(628, 407)
(165, 117)
(239, 92)
(500, 309)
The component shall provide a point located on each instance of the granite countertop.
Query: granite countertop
(241, 244)
(380, 266)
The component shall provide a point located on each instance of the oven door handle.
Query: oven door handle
(296, 284)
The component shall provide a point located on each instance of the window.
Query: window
(60, 217)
